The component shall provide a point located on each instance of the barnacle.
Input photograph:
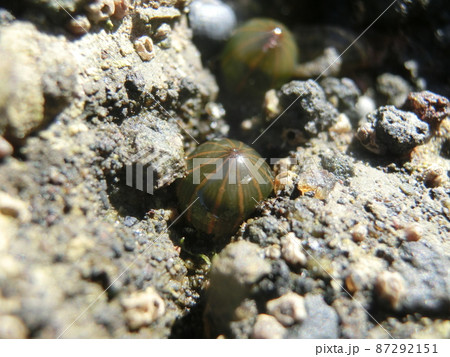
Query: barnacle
(100, 10)
(144, 48)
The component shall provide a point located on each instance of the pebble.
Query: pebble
(129, 221)
(212, 19)
(14, 207)
(284, 183)
(317, 183)
(121, 9)
(434, 176)
(271, 104)
(79, 25)
(291, 250)
(322, 320)
(12, 327)
(267, 327)
(263, 231)
(393, 89)
(359, 232)
(273, 252)
(390, 287)
(413, 232)
(100, 10)
(233, 272)
(162, 32)
(6, 148)
(364, 105)
(288, 309)
(241, 261)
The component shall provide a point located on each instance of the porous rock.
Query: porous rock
(267, 327)
(311, 112)
(233, 272)
(322, 320)
(390, 130)
(288, 309)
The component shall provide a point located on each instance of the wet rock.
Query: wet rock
(266, 327)
(434, 176)
(390, 130)
(233, 272)
(287, 309)
(392, 89)
(322, 320)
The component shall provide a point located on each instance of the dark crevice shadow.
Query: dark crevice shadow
(191, 325)
(130, 201)
(360, 153)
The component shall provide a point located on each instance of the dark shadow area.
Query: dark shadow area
(131, 201)
(358, 152)
(191, 325)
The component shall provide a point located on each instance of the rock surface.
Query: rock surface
(87, 252)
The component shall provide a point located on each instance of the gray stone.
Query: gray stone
(390, 130)
(311, 112)
(233, 272)
(343, 94)
(212, 19)
(392, 89)
(424, 267)
(322, 320)
(264, 231)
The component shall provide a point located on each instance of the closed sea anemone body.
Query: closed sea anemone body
(262, 54)
(224, 182)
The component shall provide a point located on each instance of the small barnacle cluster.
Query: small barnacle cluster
(98, 11)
